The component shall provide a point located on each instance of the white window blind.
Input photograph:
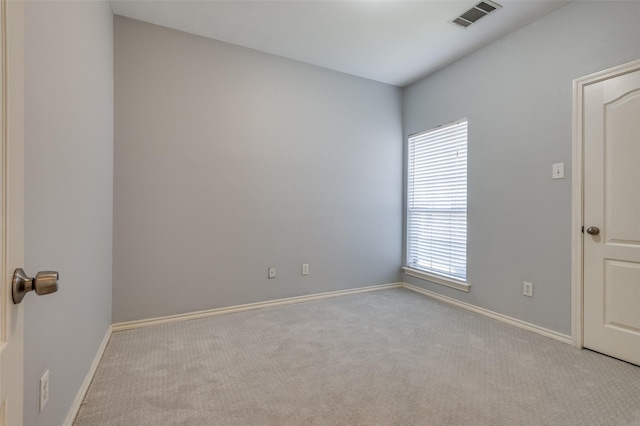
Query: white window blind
(437, 201)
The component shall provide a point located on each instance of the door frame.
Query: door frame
(12, 206)
(577, 195)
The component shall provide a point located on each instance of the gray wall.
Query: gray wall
(68, 195)
(517, 94)
(228, 161)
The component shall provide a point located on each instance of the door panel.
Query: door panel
(622, 174)
(621, 294)
(612, 203)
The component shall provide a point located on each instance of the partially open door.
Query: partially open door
(611, 187)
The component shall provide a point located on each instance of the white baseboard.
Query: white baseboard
(494, 315)
(77, 402)
(248, 307)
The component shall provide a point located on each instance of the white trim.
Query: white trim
(577, 195)
(248, 307)
(440, 127)
(448, 282)
(576, 217)
(77, 402)
(493, 315)
(12, 170)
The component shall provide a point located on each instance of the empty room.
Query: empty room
(320, 212)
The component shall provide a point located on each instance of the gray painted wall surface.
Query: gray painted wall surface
(68, 195)
(228, 161)
(517, 94)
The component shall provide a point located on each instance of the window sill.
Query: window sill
(448, 282)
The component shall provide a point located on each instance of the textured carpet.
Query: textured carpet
(389, 357)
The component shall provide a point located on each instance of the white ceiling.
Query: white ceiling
(395, 42)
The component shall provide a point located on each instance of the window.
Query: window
(437, 202)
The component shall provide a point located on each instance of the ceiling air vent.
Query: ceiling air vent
(480, 10)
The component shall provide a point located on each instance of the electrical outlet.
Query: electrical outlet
(527, 289)
(44, 390)
(305, 269)
(272, 272)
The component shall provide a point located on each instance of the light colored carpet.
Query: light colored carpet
(390, 357)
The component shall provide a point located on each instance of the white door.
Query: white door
(611, 137)
(11, 208)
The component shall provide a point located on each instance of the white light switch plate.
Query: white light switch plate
(558, 171)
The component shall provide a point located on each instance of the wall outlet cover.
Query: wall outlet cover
(44, 390)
